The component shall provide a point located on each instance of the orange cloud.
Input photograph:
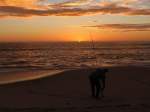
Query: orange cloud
(33, 8)
(18, 3)
(125, 27)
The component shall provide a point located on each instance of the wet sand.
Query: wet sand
(127, 90)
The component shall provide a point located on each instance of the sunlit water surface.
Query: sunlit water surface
(56, 56)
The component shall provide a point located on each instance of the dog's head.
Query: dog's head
(105, 70)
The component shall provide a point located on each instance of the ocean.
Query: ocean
(71, 55)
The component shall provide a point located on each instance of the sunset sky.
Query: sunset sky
(74, 20)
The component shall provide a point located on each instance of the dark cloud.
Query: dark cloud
(110, 9)
(124, 27)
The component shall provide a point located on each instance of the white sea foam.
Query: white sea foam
(19, 76)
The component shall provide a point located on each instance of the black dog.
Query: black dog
(97, 81)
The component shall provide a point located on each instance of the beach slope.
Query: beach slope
(127, 90)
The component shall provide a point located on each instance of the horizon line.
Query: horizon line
(74, 41)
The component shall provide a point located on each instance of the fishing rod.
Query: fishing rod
(93, 48)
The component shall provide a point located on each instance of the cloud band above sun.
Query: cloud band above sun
(27, 8)
(124, 27)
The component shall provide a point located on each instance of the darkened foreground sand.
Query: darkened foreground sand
(127, 90)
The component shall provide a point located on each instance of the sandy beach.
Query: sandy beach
(127, 90)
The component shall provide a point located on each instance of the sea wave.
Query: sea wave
(72, 55)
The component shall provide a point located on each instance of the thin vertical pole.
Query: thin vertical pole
(93, 48)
